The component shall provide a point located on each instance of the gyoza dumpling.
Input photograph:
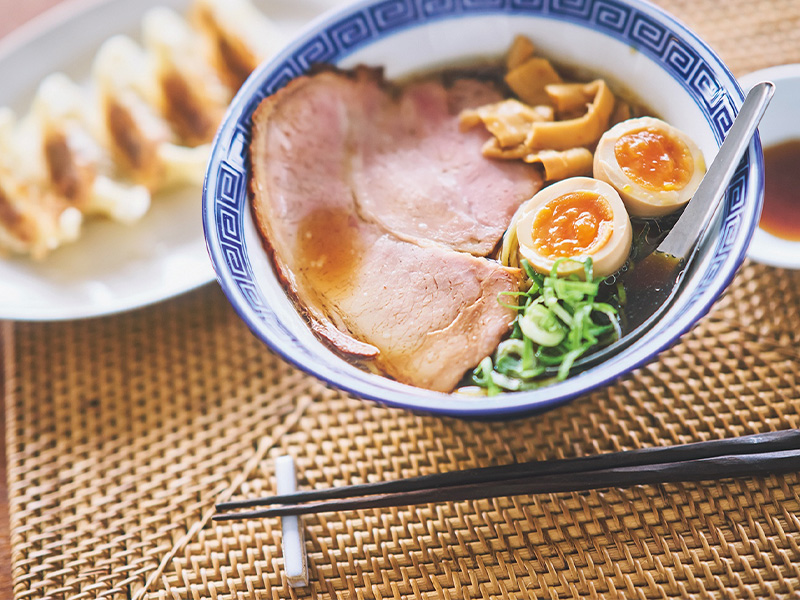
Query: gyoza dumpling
(76, 168)
(139, 140)
(240, 36)
(190, 95)
(31, 220)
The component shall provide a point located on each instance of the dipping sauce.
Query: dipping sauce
(781, 213)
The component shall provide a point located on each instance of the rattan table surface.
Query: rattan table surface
(116, 450)
(13, 14)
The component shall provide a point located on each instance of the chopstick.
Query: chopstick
(758, 454)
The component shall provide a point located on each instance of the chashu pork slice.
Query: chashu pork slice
(424, 312)
(419, 176)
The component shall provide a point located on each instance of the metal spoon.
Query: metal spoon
(679, 247)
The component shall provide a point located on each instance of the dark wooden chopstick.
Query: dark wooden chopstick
(703, 469)
(745, 455)
(749, 444)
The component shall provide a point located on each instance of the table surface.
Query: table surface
(14, 14)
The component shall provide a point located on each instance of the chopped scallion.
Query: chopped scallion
(559, 320)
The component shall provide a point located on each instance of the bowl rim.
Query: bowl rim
(505, 405)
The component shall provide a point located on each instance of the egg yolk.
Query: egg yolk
(572, 224)
(655, 160)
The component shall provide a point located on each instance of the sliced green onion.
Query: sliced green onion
(563, 313)
(536, 279)
(516, 306)
(621, 293)
(588, 269)
(559, 319)
(528, 356)
(574, 291)
(569, 358)
(541, 325)
(480, 375)
(510, 384)
(581, 319)
(612, 314)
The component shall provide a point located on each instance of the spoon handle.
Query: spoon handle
(695, 219)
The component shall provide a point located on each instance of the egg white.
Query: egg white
(607, 258)
(639, 200)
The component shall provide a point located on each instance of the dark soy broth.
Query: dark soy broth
(649, 276)
(781, 213)
(647, 284)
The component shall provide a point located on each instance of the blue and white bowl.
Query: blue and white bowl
(631, 42)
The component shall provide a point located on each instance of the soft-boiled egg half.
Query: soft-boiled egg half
(655, 167)
(575, 218)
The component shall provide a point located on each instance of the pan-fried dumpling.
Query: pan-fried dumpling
(139, 140)
(239, 35)
(190, 95)
(144, 125)
(31, 221)
(77, 170)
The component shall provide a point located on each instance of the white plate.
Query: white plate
(112, 267)
(781, 123)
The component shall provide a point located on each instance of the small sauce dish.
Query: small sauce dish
(776, 241)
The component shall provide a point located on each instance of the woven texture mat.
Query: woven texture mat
(123, 431)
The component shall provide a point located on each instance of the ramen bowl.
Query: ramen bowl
(631, 43)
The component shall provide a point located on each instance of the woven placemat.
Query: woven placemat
(123, 431)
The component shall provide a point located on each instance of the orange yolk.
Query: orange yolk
(572, 224)
(654, 160)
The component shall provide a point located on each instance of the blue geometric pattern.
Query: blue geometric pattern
(572, 8)
(352, 31)
(635, 24)
(435, 8)
(612, 16)
(649, 35)
(393, 13)
(529, 6)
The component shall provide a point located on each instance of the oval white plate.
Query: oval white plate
(112, 267)
(780, 123)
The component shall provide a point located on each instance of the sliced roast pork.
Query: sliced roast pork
(417, 175)
(377, 212)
